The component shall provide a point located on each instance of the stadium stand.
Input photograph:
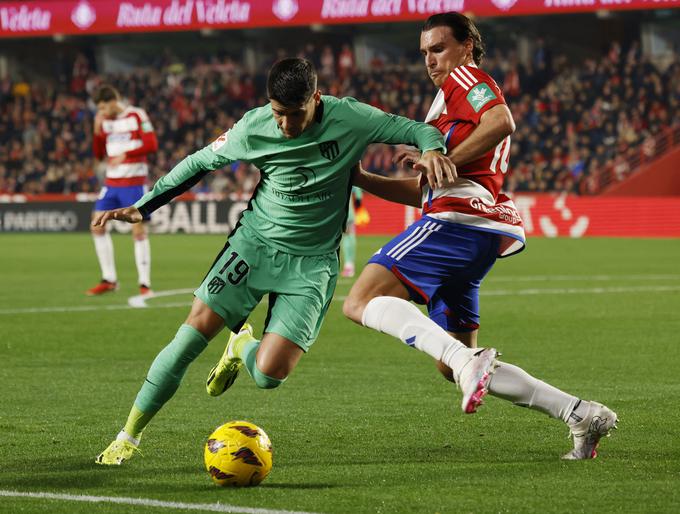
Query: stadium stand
(580, 126)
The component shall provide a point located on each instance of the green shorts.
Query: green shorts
(300, 287)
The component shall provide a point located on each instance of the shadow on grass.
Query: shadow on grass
(300, 486)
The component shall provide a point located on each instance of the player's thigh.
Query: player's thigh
(204, 319)
(375, 280)
(301, 297)
(232, 287)
(414, 259)
(455, 307)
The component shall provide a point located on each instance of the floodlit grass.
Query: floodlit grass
(364, 424)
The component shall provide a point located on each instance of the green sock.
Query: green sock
(136, 422)
(164, 377)
(349, 248)
(248, 353)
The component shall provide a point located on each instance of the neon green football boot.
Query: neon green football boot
(117, 452)
(223, 375)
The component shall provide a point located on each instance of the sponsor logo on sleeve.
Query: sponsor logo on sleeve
(219, 142)
(479, 96)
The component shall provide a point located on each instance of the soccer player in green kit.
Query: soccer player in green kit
(286, 243)
(349, 239)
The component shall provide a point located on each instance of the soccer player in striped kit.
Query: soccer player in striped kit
(125, 137)
(441, 259)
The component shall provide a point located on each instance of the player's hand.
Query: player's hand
(118, 159)
(129, 214)
(437, 168)
(407, 157)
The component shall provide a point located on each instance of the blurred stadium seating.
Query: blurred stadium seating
(581, 125)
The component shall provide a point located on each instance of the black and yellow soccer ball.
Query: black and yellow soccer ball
(238, 454)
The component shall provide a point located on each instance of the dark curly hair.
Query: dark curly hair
(462, 29)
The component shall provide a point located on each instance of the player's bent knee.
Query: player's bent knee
(353, 308)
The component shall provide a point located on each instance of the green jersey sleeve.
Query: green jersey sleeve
(229, 147)
(388, 128)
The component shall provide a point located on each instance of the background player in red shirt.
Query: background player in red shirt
(124, 136)
(441, 259)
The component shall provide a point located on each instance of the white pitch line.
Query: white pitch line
(86, 308)
(562, 278)
(139, 301)
(583, 290)
(338, 298)
(147, 502)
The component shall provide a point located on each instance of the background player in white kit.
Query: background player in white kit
(124, 136)
(441, 259)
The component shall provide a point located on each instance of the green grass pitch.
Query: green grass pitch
(364, 424)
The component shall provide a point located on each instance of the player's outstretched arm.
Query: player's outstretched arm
(129, 214)
(399, 190)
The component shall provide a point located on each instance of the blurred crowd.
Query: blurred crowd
(577, 123)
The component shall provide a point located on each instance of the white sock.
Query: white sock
(103, 245)
(404, 320)
(124, 436)
(143, 260)
(516, 385)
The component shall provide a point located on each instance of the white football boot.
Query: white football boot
(473, 379)
(596, 424)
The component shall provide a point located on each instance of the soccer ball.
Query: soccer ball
(238, 454)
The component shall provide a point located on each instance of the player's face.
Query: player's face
(294, 120)
(443, 52)
(108, 109)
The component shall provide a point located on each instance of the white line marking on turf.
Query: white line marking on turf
(86, 308)
(147, 502)
(139, 301)
(580, 290)
(562, 278)
(487, 292)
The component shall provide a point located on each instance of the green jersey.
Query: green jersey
(300, 204)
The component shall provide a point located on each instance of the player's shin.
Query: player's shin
(143, 261)
(402, 319)
(516, 385)
(164, 377)
(103, 245)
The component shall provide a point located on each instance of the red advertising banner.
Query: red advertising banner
(558, 216)
(73, 17)
(544, 215)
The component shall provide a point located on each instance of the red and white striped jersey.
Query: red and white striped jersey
(475, 198)
(130, 134)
